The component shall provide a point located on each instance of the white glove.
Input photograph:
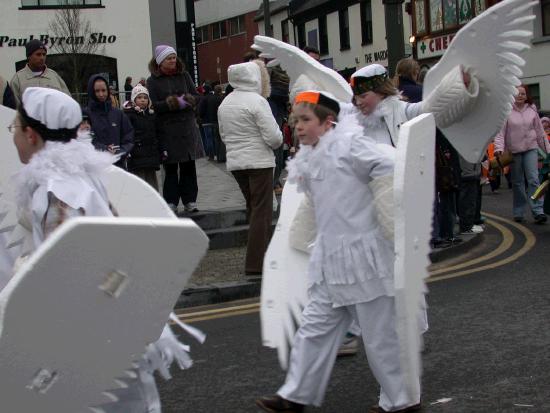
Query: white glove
(382, 188)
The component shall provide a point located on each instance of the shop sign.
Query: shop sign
(50, 41)
(433, 47)
(380, 56)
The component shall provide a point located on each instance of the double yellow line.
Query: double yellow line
(454, 271)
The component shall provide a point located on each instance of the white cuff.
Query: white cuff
(382, 188)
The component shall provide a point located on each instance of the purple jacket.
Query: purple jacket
(522, 132)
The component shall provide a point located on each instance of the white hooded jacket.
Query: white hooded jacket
(247, 126)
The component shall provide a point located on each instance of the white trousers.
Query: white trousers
(317, 341)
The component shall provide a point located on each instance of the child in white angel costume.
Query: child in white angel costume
(351, 266)
(60, 179)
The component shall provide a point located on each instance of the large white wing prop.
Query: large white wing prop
(65, 335)
(284, 282)
(414, 168)
(488, 48)
(297, 63)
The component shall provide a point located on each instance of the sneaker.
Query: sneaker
(173, 207)
(190, 207)
(477, 229)
(350, 346)
(278, 404)
(540, 219)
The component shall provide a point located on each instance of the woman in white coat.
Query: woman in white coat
(250, 133)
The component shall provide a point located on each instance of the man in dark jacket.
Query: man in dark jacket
(208, 113)
(111, 128)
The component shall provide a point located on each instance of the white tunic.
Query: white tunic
(350, 253)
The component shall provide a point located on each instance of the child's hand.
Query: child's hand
(163, 156)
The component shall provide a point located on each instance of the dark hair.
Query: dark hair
(320, 111)
(251, 55)
(59, 135)
(129, 79)
(311, 49)
(529, 99)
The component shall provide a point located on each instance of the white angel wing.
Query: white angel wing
(413, 183)
(284, 283)
(488, 48)
(72, 322)
(297, 63)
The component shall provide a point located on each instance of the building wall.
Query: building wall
(358, 55)
(128, 20)
(161, 12)
(276, 20)
(215, 56)
(210, 11)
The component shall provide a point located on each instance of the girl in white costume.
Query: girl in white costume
(351, 265)
(381, 111)
(62, 179)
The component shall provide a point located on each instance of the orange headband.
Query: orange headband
(317, 98)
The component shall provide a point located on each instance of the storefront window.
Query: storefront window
(479, 6)
(465, 12)
(545, 4)
(436, 15)
(58, 3)
(420, 16)
(449, 13)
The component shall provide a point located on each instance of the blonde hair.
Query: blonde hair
(387, 89)
(408, 68)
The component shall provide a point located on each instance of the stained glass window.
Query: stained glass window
(450, 13)
(436, 15)
(464, 11)
(420, 15)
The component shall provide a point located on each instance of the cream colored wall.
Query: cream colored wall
(128, 20)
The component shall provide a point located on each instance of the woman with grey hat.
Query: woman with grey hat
(36, 73)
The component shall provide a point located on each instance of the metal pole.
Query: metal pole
(394, 32)
(267, 19)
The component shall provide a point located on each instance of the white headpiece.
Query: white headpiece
(51, 108)
(371, 70)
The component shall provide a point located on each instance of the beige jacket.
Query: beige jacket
(26, 78)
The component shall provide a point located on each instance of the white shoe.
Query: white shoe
(173, 207)
(190, 207)
(477, 229)
(349, 347)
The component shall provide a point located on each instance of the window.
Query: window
(301, 35)
(545, 5)
(285, 36)
(53, 4)
(236, 25)
(323, 35)
(219, 30)
(366, 22)
(343, 18)
(433, 16)
(534, 93)
(202, 34)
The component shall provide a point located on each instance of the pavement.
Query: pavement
(220, 275)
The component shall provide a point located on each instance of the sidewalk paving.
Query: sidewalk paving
(218, 190)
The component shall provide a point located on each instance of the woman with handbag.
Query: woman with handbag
(522, 134)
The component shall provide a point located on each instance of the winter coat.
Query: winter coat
(26, 78)
(6, 94)
(110, 126)
(247, 126)
(410, 89)
(522, 131)
(146, 150)
(177, 128)
(208, 108)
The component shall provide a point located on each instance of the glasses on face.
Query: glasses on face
(12, 127)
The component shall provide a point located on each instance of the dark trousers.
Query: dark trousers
(446, 212)
(182, 187)
(468, 199)
(149, 175)
(257, 188)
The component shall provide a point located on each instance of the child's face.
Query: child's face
(367, 102)
(84, 126)
(26, 140)
(308, 126)
(142, 101)
(100, 90)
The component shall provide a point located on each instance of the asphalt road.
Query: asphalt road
(488, 347)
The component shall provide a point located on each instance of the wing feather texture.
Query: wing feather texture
(487, 47)
(298, 64)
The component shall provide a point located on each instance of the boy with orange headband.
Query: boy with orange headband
(351, 266)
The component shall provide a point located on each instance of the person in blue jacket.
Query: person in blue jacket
(112, 131)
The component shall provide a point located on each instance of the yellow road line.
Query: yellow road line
(507, 241)
(530, 240)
